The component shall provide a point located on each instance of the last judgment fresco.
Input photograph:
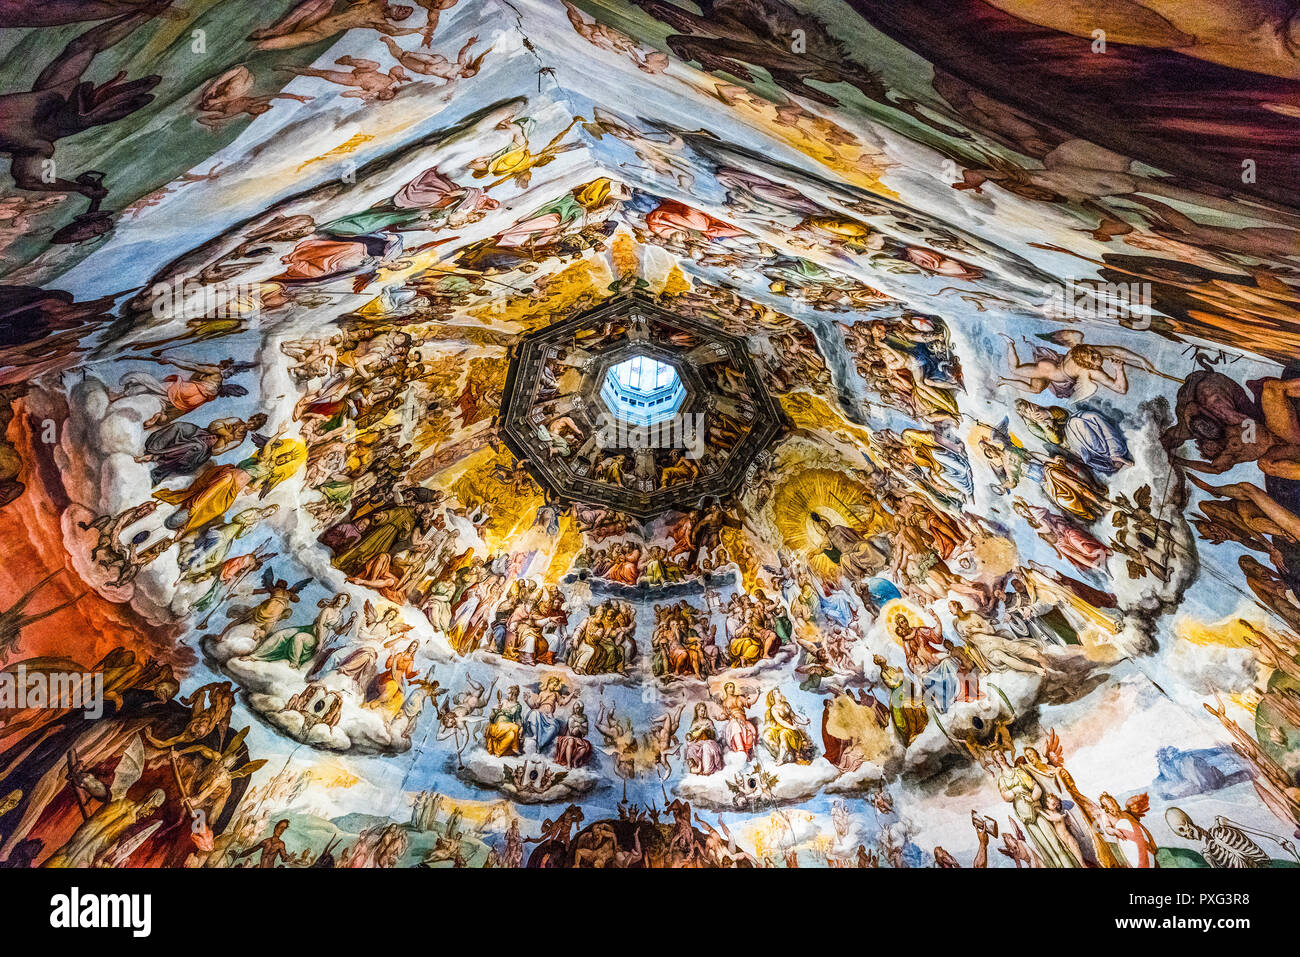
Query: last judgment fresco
(641, 433)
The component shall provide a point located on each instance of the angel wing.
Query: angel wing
(125, 848)
(1063, 337)
(369, 612)
(1053, 749)
(715, 710)
(249, 768)
(128, 770)
(268, 577)
(234, 744)
(1138, 804)
(300, 585)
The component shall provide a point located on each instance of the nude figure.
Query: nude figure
(435, 64)
(1078, 372)
(226, 97)
(311, 22)
(61, 103)
(370, 84)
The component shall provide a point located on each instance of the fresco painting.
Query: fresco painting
(971, 536)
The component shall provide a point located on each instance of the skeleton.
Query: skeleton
(108, 549)
(1227, 843)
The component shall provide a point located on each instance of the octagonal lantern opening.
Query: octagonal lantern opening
(634, 361)
(643, 390)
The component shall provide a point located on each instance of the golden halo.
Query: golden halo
(833, 496)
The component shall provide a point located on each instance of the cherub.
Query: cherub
(464, 709)
(1136, 845)
(422, 691)
(1079, 371)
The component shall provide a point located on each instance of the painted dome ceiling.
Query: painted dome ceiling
(581, 418)
(486, 432)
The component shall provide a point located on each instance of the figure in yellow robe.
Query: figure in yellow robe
(504, 734)
(210, 495)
